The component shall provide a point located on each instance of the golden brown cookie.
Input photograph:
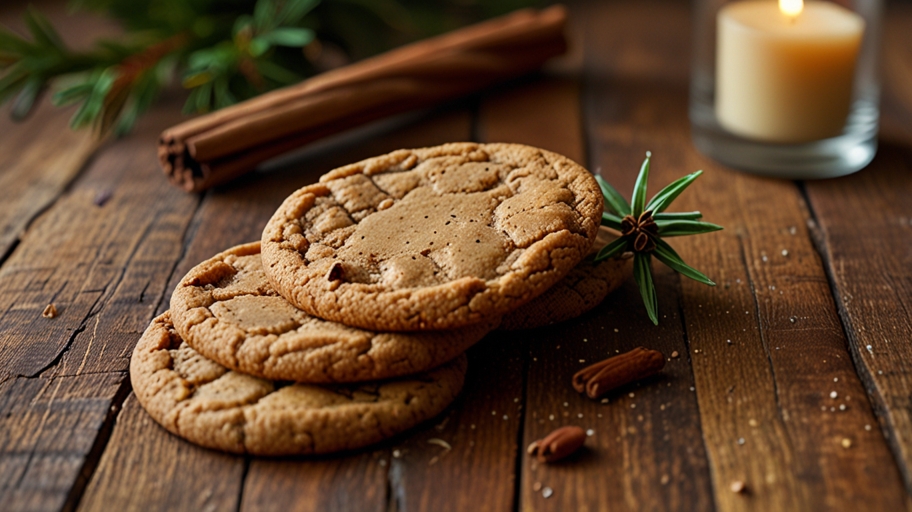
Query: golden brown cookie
(226, 309)
(207, 404)
(432, 238)
(584, 288)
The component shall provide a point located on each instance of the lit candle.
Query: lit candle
(784, 74)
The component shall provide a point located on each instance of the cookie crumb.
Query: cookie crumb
(536, 486)
(737, 487)
(846, 442)
(547, 492)
(397, 454)
(675, 355)
(50, 311)
(664, 480)
(833, 394)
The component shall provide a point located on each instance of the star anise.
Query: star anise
(642, 226)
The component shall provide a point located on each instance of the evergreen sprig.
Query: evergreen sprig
(223, 51)
(642, 226)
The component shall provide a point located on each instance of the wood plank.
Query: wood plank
(105, 268)
(40, 156)
(482, 429)
(863, 229)
(646, 450)
(767, 415)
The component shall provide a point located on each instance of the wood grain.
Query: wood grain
(767, 415)
(863, 227)
(105, 269)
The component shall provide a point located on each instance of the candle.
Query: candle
(784, 73)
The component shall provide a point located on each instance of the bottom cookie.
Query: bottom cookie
(584, 288)
(207, 404)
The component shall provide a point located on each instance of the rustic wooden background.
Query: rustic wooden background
(794, 377)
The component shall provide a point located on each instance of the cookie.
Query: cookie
(226, 310)
(212, 406)
(584, 288)
(432, 238)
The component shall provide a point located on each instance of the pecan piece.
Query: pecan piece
(558, 444)
(614, 372)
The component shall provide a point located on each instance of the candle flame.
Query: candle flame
(791, 8)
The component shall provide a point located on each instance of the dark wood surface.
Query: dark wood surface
(814, 297)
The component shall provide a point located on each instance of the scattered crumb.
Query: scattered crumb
(580, 415)
(633, 406)
(741, 440)
(835, 379)
(590, 432)
(631, 395)
(833, 394)
(868, 428)
(737, 487)
(536, 486)
(615, 330)
(785, 252)
(691, 388)
(582, 360)
(397, 454)
(551, 417)
(493, 413)
(604, 400)
(664, 480)
(842, 407)
(566, 404)
(382, 463)
(752, 422)
(675, 355)
(506, 417)
(846, 442)
(870, 349)
(472, 426)
(50, 311)
(440, 442)
(102, 197)
(547, 492)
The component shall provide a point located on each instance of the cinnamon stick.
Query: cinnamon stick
(217, 147)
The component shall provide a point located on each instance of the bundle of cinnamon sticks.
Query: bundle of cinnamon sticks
(225, 144)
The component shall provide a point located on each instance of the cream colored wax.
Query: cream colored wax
(783, 78)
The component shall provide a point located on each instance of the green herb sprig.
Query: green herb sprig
(221, 51)
(642, 225)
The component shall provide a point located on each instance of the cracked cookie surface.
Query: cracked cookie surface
(212, 406)
(432, 238)
(584, 288)
(226, 309)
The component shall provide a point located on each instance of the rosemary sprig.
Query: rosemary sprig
(642, 226)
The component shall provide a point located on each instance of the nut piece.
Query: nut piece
(614, 372)
(558, 444)
(50, 311)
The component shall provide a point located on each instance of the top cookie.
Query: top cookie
(432, 238)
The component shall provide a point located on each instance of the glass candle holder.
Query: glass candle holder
(784, 90)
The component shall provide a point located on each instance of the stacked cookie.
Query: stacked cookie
(348, 322)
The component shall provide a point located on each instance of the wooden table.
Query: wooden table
(794, 375)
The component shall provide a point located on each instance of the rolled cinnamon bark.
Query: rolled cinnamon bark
(225, 144)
